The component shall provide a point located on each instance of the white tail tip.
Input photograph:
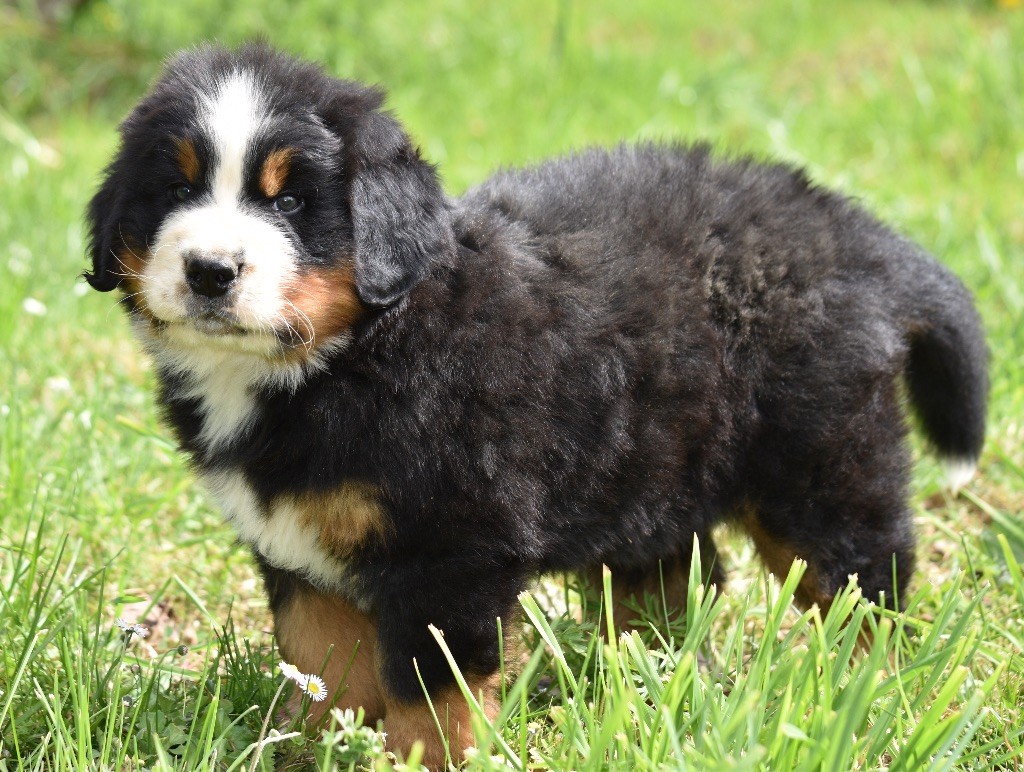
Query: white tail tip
(959, 472)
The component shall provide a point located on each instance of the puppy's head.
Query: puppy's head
(258, 204)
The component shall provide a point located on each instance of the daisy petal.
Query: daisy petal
(291, 672)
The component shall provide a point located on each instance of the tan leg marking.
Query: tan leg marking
(275, 170)
(406, 723)
(778, 556)
(307, 627)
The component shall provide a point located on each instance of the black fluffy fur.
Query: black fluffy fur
(584, 362)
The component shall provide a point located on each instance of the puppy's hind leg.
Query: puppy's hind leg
(842, 507)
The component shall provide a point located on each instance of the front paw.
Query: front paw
(407, 723)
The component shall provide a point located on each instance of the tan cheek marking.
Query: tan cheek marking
(405, 723)
(275, 171)
(130, 263)
(344, 517)
(188, 160)
(321, 304)
(306, 629)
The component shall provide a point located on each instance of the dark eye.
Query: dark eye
(181, 193)
(287, 203)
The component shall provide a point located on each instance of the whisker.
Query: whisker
(129, 272)
(155, 252)
(306, 343)
(130, 251)
(120, 302)
(304, 318)
(295, 332)
(131, 295)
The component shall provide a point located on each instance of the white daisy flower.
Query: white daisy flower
(315, 688)
(140, 631)
(292, 672)
(130, 629)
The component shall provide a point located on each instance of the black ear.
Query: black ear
(400, 219)
(104, 215)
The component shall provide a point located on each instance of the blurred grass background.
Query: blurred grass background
(915, 107)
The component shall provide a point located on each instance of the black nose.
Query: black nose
(210, 278)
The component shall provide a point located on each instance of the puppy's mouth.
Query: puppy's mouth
(214, 317)
(218, 324)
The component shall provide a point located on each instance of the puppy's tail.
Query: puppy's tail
(947, 366)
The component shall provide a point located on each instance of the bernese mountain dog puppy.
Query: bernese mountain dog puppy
(409, 405)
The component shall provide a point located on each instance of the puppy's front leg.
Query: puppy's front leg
(324, 634)
(465, 607)
(410, 720)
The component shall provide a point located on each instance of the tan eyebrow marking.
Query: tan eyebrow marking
(275, 171)
(188, 160)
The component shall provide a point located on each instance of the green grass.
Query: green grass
(916, 108)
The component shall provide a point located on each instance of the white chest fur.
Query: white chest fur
(279, 535)
(223, 375)
(306, 534)
(228, 408)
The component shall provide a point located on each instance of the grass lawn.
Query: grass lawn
(916, 108)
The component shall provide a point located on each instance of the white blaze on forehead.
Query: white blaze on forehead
(234, 117)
